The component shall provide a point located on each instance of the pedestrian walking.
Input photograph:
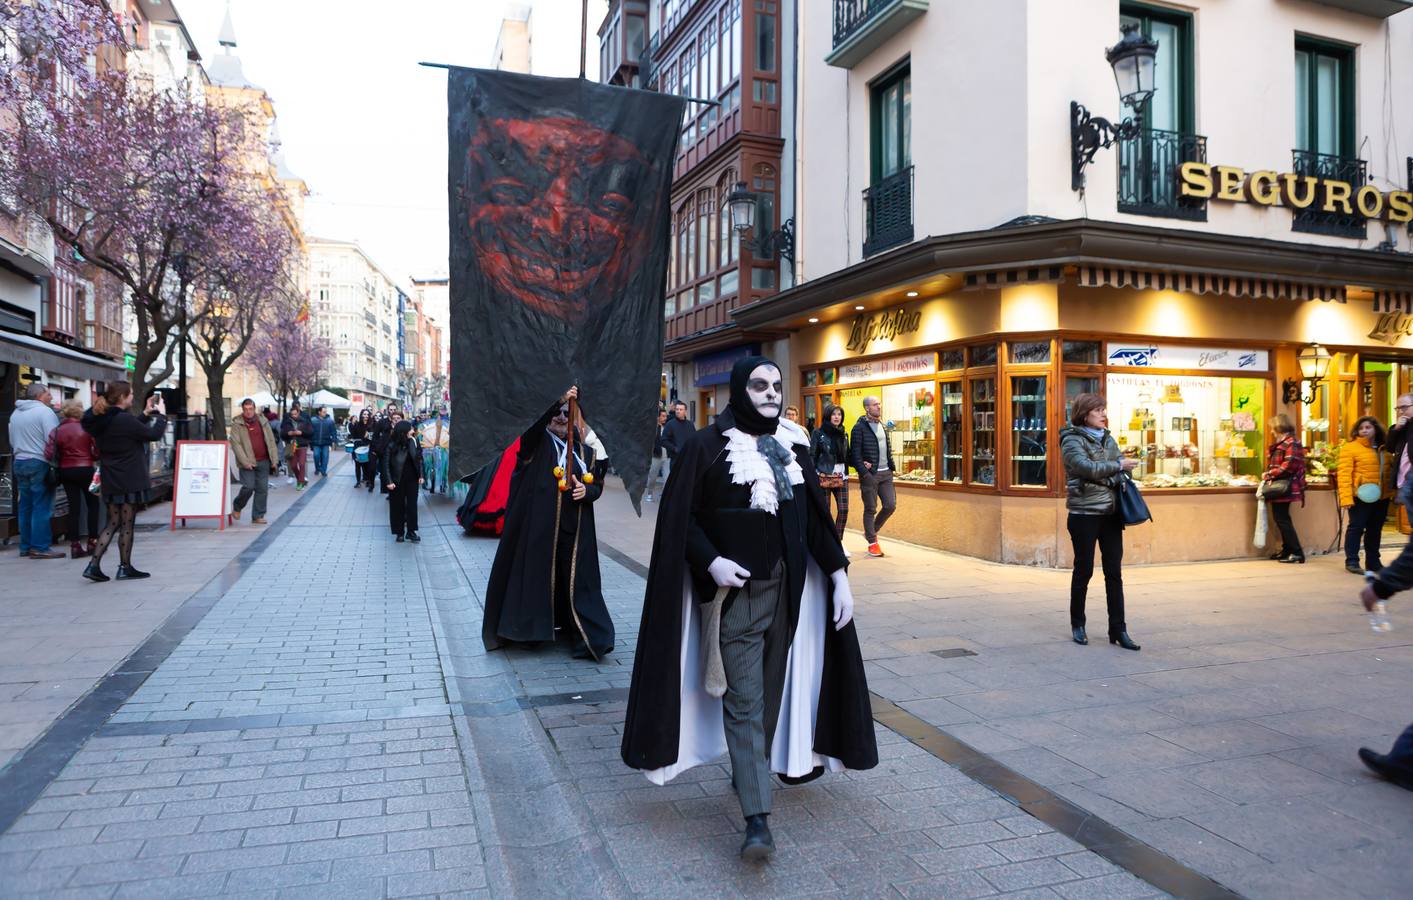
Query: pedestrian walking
(122, 440)
(324, 431)
(295, 430)
(382, 433)
(660, 466)
(279, 460)
(677, 430)
(871, 449)
(1397, 764)
(75, 454)
(1283, 484)
(402, 474)
(830, 448)
(1094, 472)
(361, 432)
(253, 442)
(30, 425)
(1365, 478)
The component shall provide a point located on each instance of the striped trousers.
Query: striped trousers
(753, 653)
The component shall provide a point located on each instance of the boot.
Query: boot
(76, 550)
(759, 844)
(93, 573)
(1122, 639)
(1079, 636)
(414, 537)
(127, 572)
(92, 546)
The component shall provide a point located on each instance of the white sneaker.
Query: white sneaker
(647, 498)
(290, 480)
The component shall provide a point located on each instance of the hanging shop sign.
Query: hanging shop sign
(1204, 181)
(1392, 327)
(886, 369)
(884, 326)
(1173, 356)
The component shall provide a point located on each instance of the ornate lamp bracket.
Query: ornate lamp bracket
(1090, 134)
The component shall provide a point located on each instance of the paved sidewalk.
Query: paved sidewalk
(61, 634)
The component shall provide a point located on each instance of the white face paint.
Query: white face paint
(765, 390)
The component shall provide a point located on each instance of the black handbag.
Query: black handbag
(1276, 488)
(1132, 507)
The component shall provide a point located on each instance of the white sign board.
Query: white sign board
(887, 369)
(1174, 356)
(201, 481)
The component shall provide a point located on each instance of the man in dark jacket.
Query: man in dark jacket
(321, 438)
(1398, 442)
(295, 431)
(1397, 764)
(677, 430)
(871, 455)
(660, 466)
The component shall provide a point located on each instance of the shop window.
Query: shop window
(1076, 385)
(909, 413)
(952, 360)
(951, 413)
(1082, 352)
(981, 355)
(826, 376)
(1028, 352)
(1190, 431)
(1030, 433)
(811, 377)
(811, 411)
(983, 429)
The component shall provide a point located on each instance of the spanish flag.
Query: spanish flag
(303, 312)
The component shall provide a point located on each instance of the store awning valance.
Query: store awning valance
(1006, 277)
(1204, 283)
(56, 359)
(1391, 301)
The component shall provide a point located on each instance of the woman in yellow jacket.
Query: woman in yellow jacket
(1365, 486)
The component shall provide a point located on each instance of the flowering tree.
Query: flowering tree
(289, 356)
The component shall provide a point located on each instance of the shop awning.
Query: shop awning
(29, 350)
(1389, 301)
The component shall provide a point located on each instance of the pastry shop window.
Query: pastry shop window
(951, 416)
(983, 431)
(1030, 434)
(909, 413)
(1190, 430)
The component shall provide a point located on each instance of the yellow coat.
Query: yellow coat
(1359, 464)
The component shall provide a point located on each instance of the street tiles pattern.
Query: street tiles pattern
(912, 827)
(297, 743)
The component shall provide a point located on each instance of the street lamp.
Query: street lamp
(1132, 59)
(780, 242)
(1314, 364)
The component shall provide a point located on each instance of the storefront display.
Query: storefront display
(909, 415)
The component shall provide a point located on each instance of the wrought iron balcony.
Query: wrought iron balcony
(888, 212)
(1334, 168)
(861, 26)
(1148, 174)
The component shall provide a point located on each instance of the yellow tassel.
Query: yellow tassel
(588, 478)
(559, 471)
(563, 485)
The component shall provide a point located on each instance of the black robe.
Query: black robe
(549, 542)
(652, 730)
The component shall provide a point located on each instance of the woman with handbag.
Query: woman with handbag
(75, 453)
(1365, 485)
(361, 432)
(122, 440)
(1094, 474)
(830, 448)
(1284, 483)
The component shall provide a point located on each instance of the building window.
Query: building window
(765, 43)
(888, 202)
(1324, 98)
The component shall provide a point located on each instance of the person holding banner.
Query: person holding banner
(544, 583)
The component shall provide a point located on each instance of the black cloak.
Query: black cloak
(548, 538)
(843, 726)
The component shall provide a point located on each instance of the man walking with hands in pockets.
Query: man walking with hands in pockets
(871, 455)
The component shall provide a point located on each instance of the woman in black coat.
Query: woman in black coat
(401, 460)
(361, 433)
(829, 447)
(122, 440)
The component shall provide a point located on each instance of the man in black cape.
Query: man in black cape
(745, 546)
(544, 583)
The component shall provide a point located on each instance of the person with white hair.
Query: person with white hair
(30, 425)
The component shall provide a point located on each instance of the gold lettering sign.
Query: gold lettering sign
(1392, 327)
(1232, 184)
(882, 327)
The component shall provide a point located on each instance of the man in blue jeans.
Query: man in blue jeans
(30, 425)
(322, 438)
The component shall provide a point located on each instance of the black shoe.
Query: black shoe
(400, 539)
(759, 844)
(1353, 569)
(127, 572)
(1380, 765)
(1280, 557)
(414, 537)
(93, 573)
(806, 778)
(1293, 559)
(1079, 636)
(1124, 641)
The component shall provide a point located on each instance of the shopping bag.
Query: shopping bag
(1132, 507)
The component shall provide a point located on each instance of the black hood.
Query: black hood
(402, 429)
(743, 410)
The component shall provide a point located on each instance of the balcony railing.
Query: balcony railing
(1334, 168)
(861, 26)
(370, 318)
(1148, 174)
(888, 212)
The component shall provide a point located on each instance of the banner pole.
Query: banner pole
(583, 36)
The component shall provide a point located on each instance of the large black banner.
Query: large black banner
(559, 240)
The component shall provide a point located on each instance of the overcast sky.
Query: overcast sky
(361, 122)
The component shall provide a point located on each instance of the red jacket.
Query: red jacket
(70, 447)
(1286, 459)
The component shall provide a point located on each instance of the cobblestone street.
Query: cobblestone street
(332, 727)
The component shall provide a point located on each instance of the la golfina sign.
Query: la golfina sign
(1203, 181)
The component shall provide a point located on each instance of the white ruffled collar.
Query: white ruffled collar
(749, 465)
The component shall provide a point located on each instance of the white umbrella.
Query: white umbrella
(264, 398)
(329, 399)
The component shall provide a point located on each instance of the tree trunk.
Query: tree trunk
(216, 392)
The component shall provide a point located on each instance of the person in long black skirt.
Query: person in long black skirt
(401, 460)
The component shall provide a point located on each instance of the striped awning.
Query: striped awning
(1007, 277)
(1391, 301)
(1205, 283)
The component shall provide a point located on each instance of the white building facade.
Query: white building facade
(543, 37)
(353, 305)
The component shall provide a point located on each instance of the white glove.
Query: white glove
(726, 573)
(843, 599)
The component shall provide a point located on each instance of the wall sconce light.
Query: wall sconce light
(1132, 59)
(780, 242)
(1314, 365)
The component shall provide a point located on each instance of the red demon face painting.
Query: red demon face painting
(551, 223)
